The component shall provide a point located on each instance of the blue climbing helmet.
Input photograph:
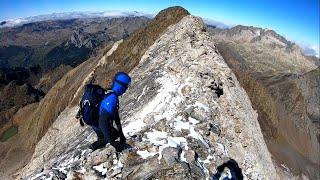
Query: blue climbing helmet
(121, 82)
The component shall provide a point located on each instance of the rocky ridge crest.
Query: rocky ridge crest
(184, 115)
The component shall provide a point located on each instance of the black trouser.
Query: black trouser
(105, 130)
(114, 133)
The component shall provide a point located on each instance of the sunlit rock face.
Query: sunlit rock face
(184, 115)
(263, 50)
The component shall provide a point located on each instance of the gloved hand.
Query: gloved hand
(78, 115)
(221, 168)
(81, 122)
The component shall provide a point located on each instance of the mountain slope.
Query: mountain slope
(283, 87)
(264, 50)
(184, 115)
(67, 91)
(54, 42)
(38, 54)
(14, 96)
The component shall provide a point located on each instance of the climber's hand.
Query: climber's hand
(78, 114)
(221, 168)
(81, 122)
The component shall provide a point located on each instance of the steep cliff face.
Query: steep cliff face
(296, 103)
(184, 115)
(283, 87)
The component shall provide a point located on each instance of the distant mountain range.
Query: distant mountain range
(54, 42)
(72, 15)
(307, 49)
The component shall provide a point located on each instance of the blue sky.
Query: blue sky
(298, 20)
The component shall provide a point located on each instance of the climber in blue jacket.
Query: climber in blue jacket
(108, 113)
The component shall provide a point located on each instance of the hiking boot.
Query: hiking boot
(100, 143)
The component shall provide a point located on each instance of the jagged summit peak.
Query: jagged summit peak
(131, 50)
(173, 11)
(258, 32)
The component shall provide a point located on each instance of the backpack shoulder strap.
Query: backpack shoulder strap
(108, 92)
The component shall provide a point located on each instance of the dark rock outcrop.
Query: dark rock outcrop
(14, 96)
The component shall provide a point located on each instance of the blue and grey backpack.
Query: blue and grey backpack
(94, 94)
(89, 104)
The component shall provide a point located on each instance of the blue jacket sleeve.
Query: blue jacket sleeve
(109, 104)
